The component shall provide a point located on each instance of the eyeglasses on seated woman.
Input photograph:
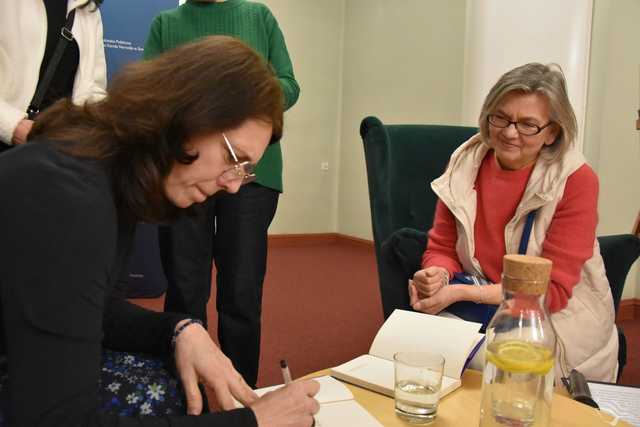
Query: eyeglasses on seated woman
(521, 186)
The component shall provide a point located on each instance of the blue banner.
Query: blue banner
(126, 26)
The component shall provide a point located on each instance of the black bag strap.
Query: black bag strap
(65, 37)
(526, 233)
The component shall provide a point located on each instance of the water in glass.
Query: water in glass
(416, 402)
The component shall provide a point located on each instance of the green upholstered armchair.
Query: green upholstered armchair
(402, 160)
(619, 252)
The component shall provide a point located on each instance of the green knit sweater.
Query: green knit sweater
(250, 22)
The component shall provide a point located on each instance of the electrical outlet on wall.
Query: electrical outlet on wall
(324, 166)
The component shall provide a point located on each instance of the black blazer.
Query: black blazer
(61, 249)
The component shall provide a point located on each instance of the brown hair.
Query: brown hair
(547, 80)
(153, 107)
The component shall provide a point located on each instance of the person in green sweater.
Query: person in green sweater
(233, 232)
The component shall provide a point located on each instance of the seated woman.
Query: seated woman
(171, 133)
(524, 160)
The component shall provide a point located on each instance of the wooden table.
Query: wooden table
(462, 407)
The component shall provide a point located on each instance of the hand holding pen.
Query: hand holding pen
(286, 377)
(292, 405)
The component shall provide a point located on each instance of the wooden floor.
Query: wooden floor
(321, 307)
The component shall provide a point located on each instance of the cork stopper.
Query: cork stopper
(526, 274)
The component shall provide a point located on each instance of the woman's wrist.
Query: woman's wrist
(461, 293)
(481, 297)
(181, 326)
(489, 294)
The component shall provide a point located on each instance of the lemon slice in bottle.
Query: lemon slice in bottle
(520, 357)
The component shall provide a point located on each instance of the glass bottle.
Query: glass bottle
(517, 382)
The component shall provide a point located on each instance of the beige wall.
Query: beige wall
(356, 58)
(612, 145)
(313, 32)
(402, 63)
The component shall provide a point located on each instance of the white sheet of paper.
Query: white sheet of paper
(331, 390)
(347, 413)
(618, 400)
(337, 407)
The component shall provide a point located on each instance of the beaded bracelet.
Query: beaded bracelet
(182, 328)
(445, 278)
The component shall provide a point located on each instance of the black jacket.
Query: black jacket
(61, 249)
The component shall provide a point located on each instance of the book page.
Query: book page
(475, 359)
(376, 374)
(411, 331)
(368, 371)
(618, 400)
(347, 413)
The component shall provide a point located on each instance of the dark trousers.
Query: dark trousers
(233, 233)
(399, 258)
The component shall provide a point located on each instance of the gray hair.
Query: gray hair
(547, 80)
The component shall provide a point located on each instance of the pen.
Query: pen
(286, 376)
(286, 373)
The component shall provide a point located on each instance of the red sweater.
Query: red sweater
(569, 239)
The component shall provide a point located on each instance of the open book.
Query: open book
(455, 339)
(337, 405)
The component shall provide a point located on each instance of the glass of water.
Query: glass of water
(418, 377)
